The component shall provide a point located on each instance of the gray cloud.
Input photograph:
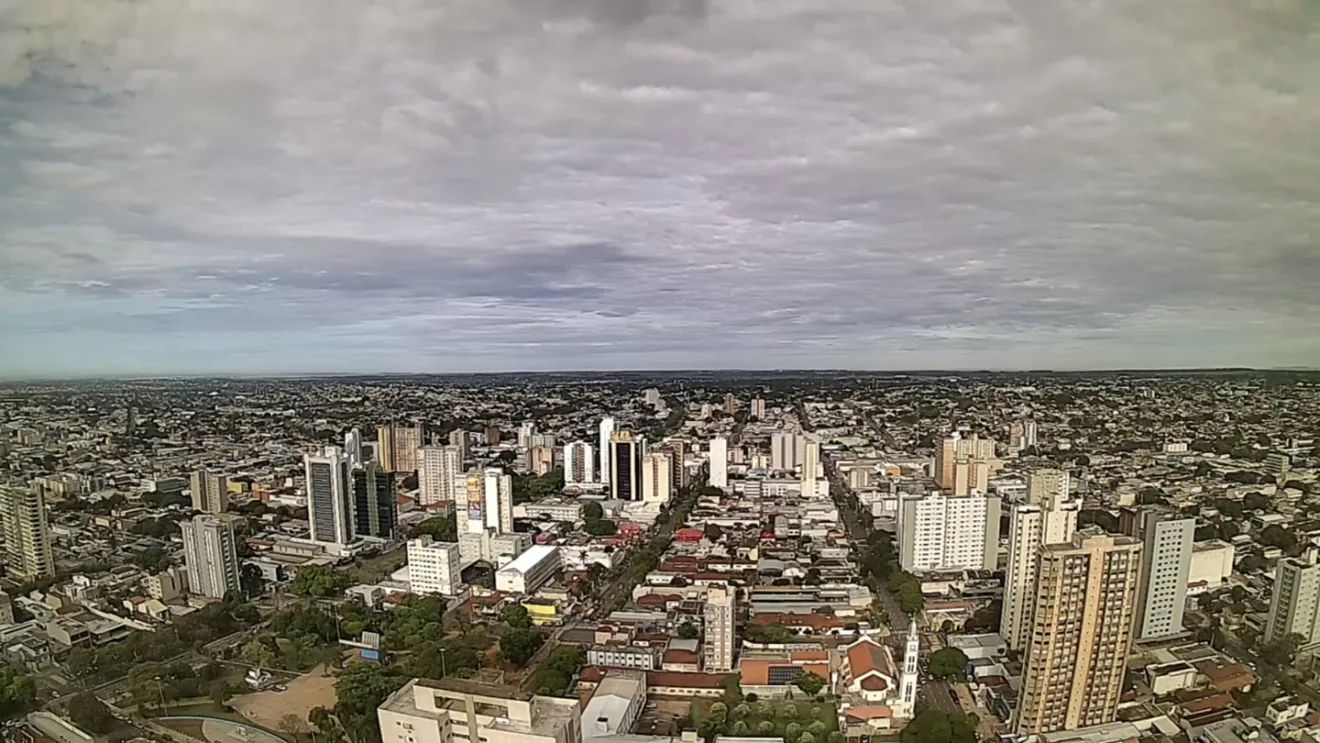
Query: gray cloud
(998, 183)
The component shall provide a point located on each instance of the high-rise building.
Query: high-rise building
(606, 438)
(489, 502)
(719, 462)
(459, 711)
(1081, 632)
(1031, 526)
(720, 639)
(730, 403)
(1166, 560)
(758, 409)
(210, 555)
(459, 437)
(329, 496)
(397, 447)
(579, 464)
(651, 396)
(677, 459)
(1277, 464)
(786, 450)
(375, 513)
(964, 465)
(434, 567)
(1295, 607)
(657, 468)
(810, 467)
(946, 532)
(1022, 434)
(210, 492)
(492, 435)
(1046, 486)
(540, 460)
(525, 433)
(353, 448)
(26, 529)
(439, 474)
(625, 466)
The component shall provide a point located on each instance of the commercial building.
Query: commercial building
(1166, 562)
(439, 475)
(492, 547)
(210, 555)
(26, 530)
(810, 468)
(1211, 566)
(615, 705)
(459, 711)
(1052, 520)
(488, 502)
(1081, 632)
(397, 447)
(964, 465)
(657, 469)
(528, 571)
(210, 492)
(1295, 607)
(625, 466)
(945, 532)
(786, 450)
(579, 464)
(329, 497)
(375, 513)
(353, 448)
(720, 640)
(540, 460)
(1045, 486)
(719, 462)
(434, 567)
(605, 438)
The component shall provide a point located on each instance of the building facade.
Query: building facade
(719, 462)
(26, 529)
(210, 491)
(944, 532)
(810, 468)
(1167, 543)
(657, 469)
(579, 464)
(434, 567)
(459, 711)
(1295, 606)
(210, 555)
(718, 646)
(606, 436)
(397, 447)
(1030, 527)
(625, 466)
(375, 513)
(439, 475)
(329, 497)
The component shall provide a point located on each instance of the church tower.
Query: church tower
(907, 696)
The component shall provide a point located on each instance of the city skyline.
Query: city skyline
(412, 187)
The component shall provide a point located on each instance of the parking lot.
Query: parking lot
(661, 716)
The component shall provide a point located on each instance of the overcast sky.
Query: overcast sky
(247, 186)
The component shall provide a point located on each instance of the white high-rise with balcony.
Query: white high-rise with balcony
(439, 475)
(719, 462)
(579, 464)
(210, 555)
(945, 532)
(1031, 525)
(810, 468)
(434, 567)
(606, 435)
(657, 483)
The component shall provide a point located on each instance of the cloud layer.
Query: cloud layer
(214, 186)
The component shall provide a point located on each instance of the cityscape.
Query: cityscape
(828, 557)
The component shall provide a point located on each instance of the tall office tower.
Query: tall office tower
(965, 464)
(720, 638)
(329, 496)
(579, 464)
(375, 513)
(210, 492)
(438, 474)
(525, 433)
(785, 448)
(1045, 486)
(948, 532)
(1295, 608)
(906, 706)
(719, 462)
(1167, 559)
(1030, 526)
(651, 396)
(497, 491)
(606, 436)
(678, 461)
(625, 466)
(758, 408)
(657, 469)
(434, 567)
(1081, 632)
(353, 448)
(27, 533)
(492, 435)
(810, 467)
(458, 437)
(210, 555)
(730, 403)
(397, 446)
(540, 460)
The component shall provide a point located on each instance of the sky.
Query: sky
(338, 186)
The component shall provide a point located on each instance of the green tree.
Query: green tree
(934, 726)
(441, 528)
(600, 527)
(516, 616)
(591, 511)
(319, 582)
(359, 690)
(787, 712)
(712, 532)
(809, 683)
(517, 646)
(90, 714)
(688, 631)
(948, 663)
(792, 730)
(765, 727)
(740, 728)
(732, 690)
(806, 738)
(17, 693)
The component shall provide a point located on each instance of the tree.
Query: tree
(809, 683)
(712, 532)
(319, 582)
(219, 692)
(806, 738)
(254, 585)
(518, 645)
(17, 693)
(1252, 564)
(787, 712)
(291, 725)
(765, 727)
(688, 631)
(441, 528)
(740, 728)
(948, 663)
(732, 691)
(516, 616)
(1283, 651)
(934, 726)
(1277, 536)
(90, 714)
(600, 527)
(360, 689)
(791, 731)
(591, 511)
(152, 559)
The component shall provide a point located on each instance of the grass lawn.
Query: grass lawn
(378, 568)
(772, 717)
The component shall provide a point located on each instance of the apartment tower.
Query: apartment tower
(625, 466)
(210, 492)
(210, 555)
(439, 475)
(1031, 525)
(579, 464)
(810, 468)
(606, 437)
(375, 513)
(720, 638)
(657, 486)
(1166, 561)
(719, 462)
(1295, 607)
(397, 446)
(26, 531)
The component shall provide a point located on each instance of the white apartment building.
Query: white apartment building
(719, 462)
(1030, 526)
(720, 639)
(606, 435)
(1047, 486)
(434, 567)
(1166, 559)
(210, 555)
(946, 532)
(440, 476)
(459, 711)
(657, 485)
(810, 468)
(488, 502)
(25, 526)
(579, 464)
(1295, 607)
(528, 571)
(785, 450)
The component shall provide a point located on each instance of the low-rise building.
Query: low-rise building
(458, 711)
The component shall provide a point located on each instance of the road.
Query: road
(939, 695)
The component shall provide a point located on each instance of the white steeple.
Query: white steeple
(907, 696)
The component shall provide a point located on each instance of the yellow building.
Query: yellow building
(542, 612)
